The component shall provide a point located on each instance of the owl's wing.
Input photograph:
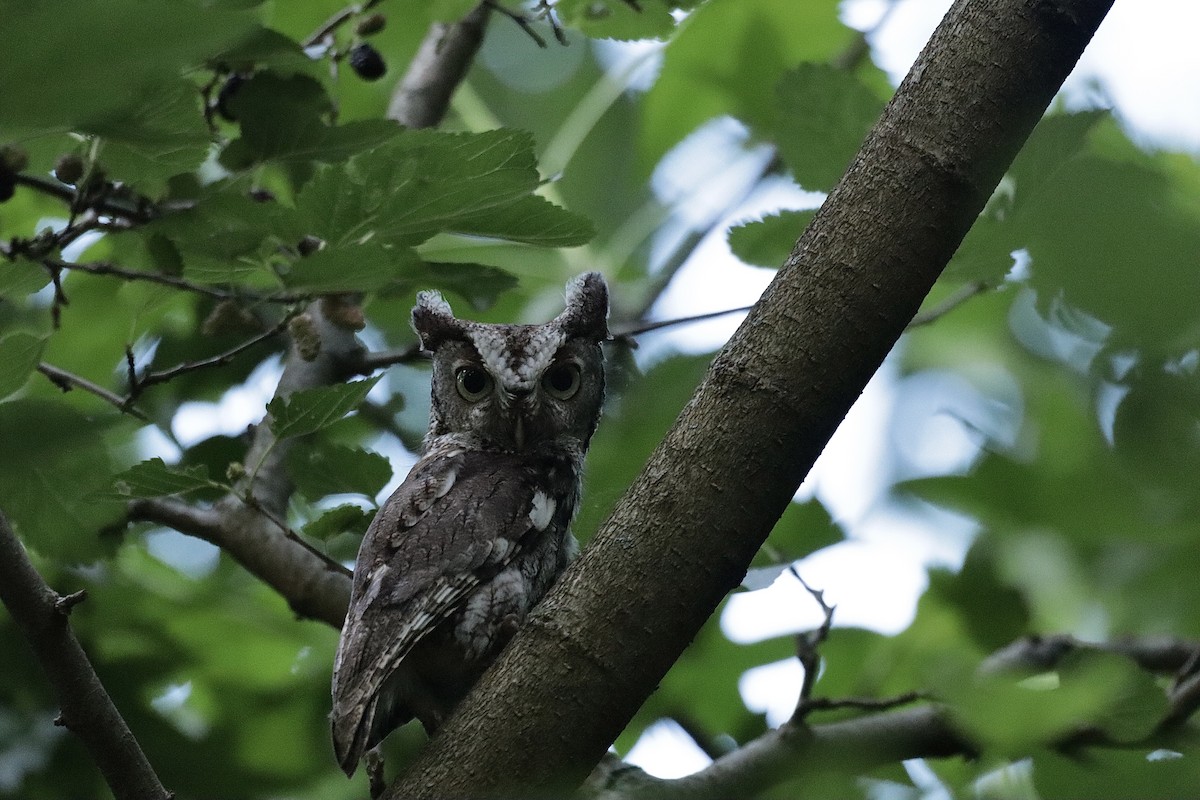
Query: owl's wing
(454, 523)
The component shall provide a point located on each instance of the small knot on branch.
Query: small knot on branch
(65, 603)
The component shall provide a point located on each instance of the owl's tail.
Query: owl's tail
(351, 726)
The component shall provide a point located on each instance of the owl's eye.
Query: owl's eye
(562, 380)
(473, 383)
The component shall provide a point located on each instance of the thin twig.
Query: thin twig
(808, 646)
(330, 564)
(87, 709)
(523, 23)
(692, 241)
(860, 48)
(1185, 701)
(105, 268)
(69, 380)
(862, 703)
(627, 334)
(336, 21)
(140, 384)
(139, 209)
(962, 295)
(386, 358)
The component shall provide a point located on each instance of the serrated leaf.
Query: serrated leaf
(339, 519)
(311, 410)
(350, 268)
(769, 241)
(825, 113)
(532, 220)
(324, 468)
(54, 462)
(20, 353)
(154, 478)
(427, 182)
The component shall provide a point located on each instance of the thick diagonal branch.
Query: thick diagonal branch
(689, 526)
(87, 710)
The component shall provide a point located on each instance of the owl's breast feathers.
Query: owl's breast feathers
(460, 517)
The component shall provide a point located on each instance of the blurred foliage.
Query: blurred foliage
(1082, 357)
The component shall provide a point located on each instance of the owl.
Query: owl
(479, 530)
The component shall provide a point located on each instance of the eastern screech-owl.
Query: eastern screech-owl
(478, 531)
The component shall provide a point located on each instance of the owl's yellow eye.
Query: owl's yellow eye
(562, 380)
(473, 383)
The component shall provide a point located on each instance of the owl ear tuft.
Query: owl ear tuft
(586, 313)
(434, 321)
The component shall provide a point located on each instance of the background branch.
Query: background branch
(87, 710)
(441, 64)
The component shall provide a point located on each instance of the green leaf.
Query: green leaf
(283, 118)
(825, 114)
(532, 220)
(267, 49)
(427, 182)
(1117, 239)
(803, 529)
(769, 242)
(21, 277)
(1135, 774)
(63, 68)
(225, 223)
(322, 468)
(55, 460)
(1089, 689)
(154, 478)
(311, 410)
(992, 611)
(727, 58)
(479, 284)
(350, 268)
(337, 520)
(20, 353)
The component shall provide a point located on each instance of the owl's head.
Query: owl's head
(518, 387)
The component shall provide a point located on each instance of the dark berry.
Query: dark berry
(369, 25)
(225, 95)
(7, 187)
(366, 62)
(68, 168)
(309, 245)
(13, 159)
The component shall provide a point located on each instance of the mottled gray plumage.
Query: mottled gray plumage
(479, 530)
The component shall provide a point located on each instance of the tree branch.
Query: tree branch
(441, 64)
(87, 710)
(249, 531)
(139, 384)
(796, 749)
(69, 380)
(597, 646)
